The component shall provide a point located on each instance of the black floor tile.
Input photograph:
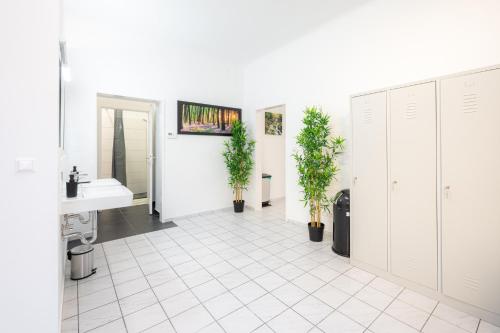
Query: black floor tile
(125, 222)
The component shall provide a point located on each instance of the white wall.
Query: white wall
(29, 250)
(194, 173)
(273, 157)
(381, 43)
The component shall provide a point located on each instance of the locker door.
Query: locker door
(413, 220)
(369, 187)
(470, 118)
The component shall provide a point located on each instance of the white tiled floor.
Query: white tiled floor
(251, 272)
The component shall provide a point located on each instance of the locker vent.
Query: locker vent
(411, 110)
(471, 283)
(368, 116)
(470, 102)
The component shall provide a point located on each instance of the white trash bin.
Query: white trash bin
(266, 190)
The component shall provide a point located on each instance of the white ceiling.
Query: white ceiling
(237, 30)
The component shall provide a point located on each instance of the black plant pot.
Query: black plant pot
(316, 234)
(239, 206)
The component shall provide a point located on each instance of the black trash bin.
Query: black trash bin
(341, 223)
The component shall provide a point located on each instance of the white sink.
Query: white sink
(97, 195)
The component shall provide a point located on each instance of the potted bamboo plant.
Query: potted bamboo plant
(315, 159)
(238, 158)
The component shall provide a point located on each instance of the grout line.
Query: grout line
(114, 288)
(258, 225)
(430, 315)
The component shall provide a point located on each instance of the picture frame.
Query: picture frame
(205, 119)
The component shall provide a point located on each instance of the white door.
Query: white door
(369, 184)
(470, 118)
(412, 181)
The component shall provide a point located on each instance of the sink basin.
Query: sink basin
(97, 195)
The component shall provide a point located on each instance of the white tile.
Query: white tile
(485, 327)
(212, 328)
(338, 323)
(408, 314)
(210, 260)
(93, 286)
(360, 275)
(331, 296)
(70, 293)
(457, 318)
(153, 267)
(386, 287)
(270, 281)
(196, 278)
(325, 273)
(169, 289)
(289, 271)
(99, 316)
(267, 307)
(222, 305)
(192, 320)
(419, 301)
(233, 279)
(137, 301)
(208, 290)
(436, 325)
(289, 294)
(127, 275)
(248, 292)
(374, 298)
(161, 277)
(145, 318)
(240, 261)
(240, 321)
(254, 270)
(70, 308)
(387, 324)
(70, 325)
(308, 282)
(116, 326)
(220, 268)
(263, 329)
(289, 322)
(122, 266)
(131, 287)
(358, 311)
(347, 285)
(163, 327)
(179, 303)
(273, 262)
(313, 309)
(96, 300)
(187, 268)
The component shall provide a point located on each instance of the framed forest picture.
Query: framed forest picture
(205, 119)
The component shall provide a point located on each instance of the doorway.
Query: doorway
(271, 159)
(126, 144)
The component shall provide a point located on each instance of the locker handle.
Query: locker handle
(394, 183)
(354, 180)
(446, 191)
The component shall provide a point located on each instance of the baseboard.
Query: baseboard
(488, 316)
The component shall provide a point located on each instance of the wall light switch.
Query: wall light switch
(25, 164)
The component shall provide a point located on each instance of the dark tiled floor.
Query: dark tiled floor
(124, 222)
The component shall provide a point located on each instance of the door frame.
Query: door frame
(151, 142)
(259, 135)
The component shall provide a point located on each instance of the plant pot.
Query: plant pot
(316, 234)
(239, 206)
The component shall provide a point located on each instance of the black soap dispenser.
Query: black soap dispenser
(71, 187)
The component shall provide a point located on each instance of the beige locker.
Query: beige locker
(412, 184)
(369, 185)
(470, 131)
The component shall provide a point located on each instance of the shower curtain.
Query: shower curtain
(119, 160)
